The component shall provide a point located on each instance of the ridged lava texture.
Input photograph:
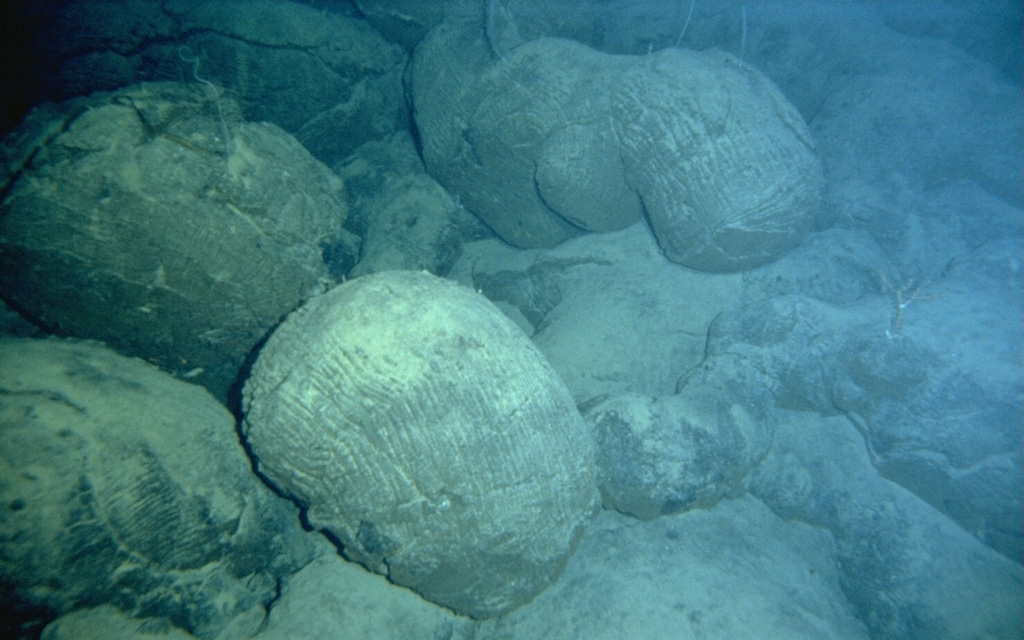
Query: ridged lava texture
(426, 433)
(553, 139)
(124, 221)
(122, 486)
(724, 164)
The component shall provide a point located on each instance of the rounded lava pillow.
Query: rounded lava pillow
(123, 220)
(425, 432)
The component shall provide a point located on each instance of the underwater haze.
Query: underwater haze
(481, 319)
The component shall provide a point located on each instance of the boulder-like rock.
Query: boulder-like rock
(734, 571)
(321, 74)
(422, 429)
(123, 486)
(154, 220)
(724, 164)
(907, 570)
(936, 395)
(329, 594)
(550, 138)
(406, 220)
(662, 455)
(512, 138)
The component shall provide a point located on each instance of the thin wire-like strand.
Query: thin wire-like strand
(186, 55)
(686, 24)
